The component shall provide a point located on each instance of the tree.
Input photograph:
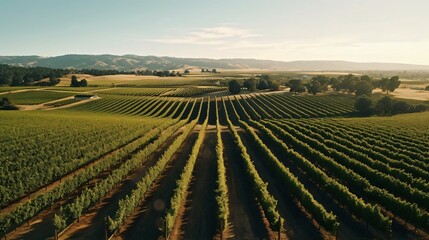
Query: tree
(296, 86)
(314, 87)
(421, 108)
(389, 84)
(5, 102)
(273, 85)
(384, 106)
(400, 107)
(234, 87)
(363, 88)
(393, 83)
(323, 80)
(214, 70)
(364, 106)
(187, 71)
(250, 84)
(262, 85)
(74, 81)
(427, 88)
(83, 83)
(335, 83)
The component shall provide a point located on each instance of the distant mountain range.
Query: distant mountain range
(134, 62)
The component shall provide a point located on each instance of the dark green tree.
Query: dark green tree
(393, 83)
(234, 87)
(83, 83)
(250, 84)
(74, 81)
(400, 107)
(262, 85)
(314, 87)
(384, 106)
(363, 106)
(363, 88)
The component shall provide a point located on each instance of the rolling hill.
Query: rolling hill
(135, 62)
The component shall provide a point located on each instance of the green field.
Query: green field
(303, 165)
(34, 97)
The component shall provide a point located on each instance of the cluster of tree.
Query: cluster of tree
(386, 106)
(102, 72)
(359, 85)
(209, 71)
(164, 73)
(27, 76)
(427, 88)
(252, 84)
(77, 83)
(5, 104)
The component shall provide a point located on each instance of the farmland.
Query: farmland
(193, 162)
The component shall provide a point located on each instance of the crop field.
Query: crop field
(195, 163)
(34, 97)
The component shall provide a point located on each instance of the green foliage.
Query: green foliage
(384, 106)
(363, 88)
(131, 201)
(221, 186)
(234, 87)
(296, 86)
(364, 106)
(250, 84)
(342, 194)
(323, 217)
(76, 83)
(182, 184)
(59, 222)
(268, 202)
(33, 97)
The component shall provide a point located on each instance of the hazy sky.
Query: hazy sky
(355, 30)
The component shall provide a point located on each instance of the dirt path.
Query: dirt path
(92, 224)
(296, 224)
(245, 218)
(147, 219)
(200, 216)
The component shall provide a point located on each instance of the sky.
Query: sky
(287, 30)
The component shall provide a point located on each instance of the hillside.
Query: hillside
(134, 62)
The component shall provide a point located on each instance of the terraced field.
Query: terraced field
(157, 162)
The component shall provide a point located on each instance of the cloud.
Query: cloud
(209, 36)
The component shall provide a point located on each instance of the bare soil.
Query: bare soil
(200, 216)
(245, 216)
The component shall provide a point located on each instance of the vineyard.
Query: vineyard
(196, 163)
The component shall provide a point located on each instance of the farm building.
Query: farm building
(85, 97)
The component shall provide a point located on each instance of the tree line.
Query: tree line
(28, 76)
(263, 82)
(359, 85)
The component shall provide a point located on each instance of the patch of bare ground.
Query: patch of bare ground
(199, 220)
(147, 220)
(92, 224)
(246, 221)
